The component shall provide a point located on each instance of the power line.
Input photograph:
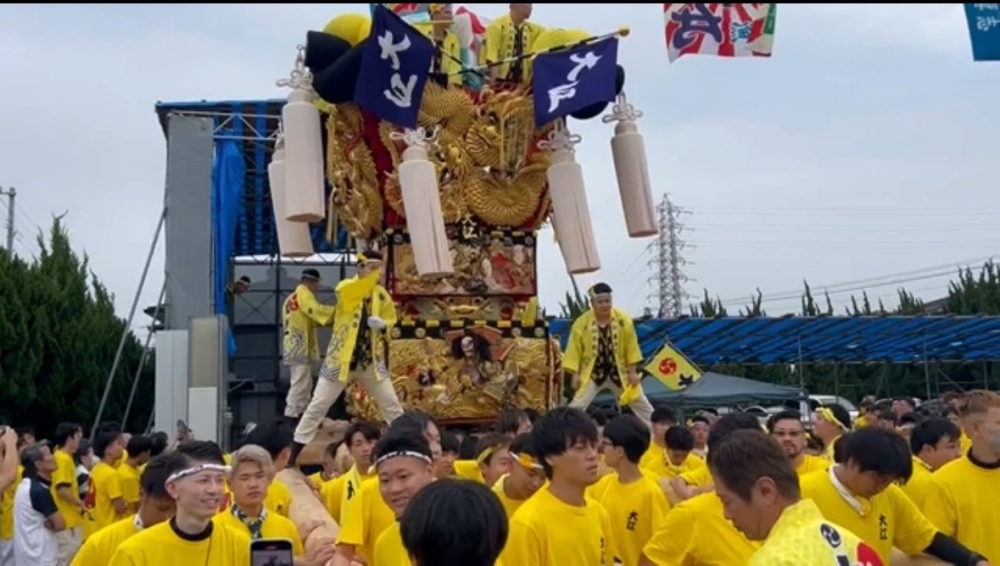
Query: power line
(871, 282)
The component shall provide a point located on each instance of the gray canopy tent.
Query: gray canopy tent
(716, 389)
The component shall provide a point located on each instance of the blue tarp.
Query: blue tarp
(819, 339)
(228, 173)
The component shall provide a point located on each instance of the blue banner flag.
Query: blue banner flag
(984, 31)
(394, 68)
(573, 79)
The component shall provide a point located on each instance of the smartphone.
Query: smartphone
(271, 552)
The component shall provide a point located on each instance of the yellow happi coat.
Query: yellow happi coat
(350, 294)
(499, 42)
(451, 53)
(581, 350)
(302, 314)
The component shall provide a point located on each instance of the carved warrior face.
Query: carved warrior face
(468, 346)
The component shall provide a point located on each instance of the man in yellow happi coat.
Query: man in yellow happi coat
(364, 315)
(301, 315)
(603, 353)
(446, 66)
(509, 39)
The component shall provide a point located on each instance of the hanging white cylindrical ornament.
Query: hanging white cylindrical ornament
(574, 230)
(294, 239)
(422, 205)
(304, 183)
(628, 150)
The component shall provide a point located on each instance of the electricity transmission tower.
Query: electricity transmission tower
(669, 261)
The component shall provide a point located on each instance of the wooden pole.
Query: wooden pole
(307, 511)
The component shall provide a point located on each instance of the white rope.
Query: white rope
(622, 111)
(560, 138)
(418, 137)
(300, 77)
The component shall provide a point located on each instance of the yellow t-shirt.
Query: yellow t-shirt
(636, 509)
(128, 477)
(389, 550)
(964, 503)
(802, 537)
(367, 516)
(888, 519)
(318, 480)
(65, 474)
(333, 492)
(118, 463)
(662, 467)
(509, 504)
(274, 526)
(105, 486)
(919, 484)
(811, 464)
(548, 532)
(7, 507)
(159, 545)
(697, 477)
(278, 498)
(696, 532)
(100, 547)
(469, 469)
(828, 450)
(964, 443)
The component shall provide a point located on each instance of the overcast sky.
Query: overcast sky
(864, 150)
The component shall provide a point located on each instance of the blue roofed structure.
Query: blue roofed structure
(829, 339)
(255, 124)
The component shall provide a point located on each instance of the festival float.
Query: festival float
(452, 181)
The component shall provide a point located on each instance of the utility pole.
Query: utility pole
(10, 194)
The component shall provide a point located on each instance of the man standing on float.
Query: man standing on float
(301, 315)
(508, 42)
(603, 353)
(357, 351)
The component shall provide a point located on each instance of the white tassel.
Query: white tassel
(304, 184)
(629, 152)
(293, 237)
(422, 205)
(570, 213)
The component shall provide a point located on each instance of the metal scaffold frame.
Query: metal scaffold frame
(192, 130)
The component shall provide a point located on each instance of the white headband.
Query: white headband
(197, 470)
(403, 454)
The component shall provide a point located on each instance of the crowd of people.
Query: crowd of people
(566, 487)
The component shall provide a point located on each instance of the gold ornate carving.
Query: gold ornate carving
(443, 307)
(427, 377)
(507, 200)
(350, 170)
(484, 266)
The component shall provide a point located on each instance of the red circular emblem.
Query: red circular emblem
(668, 366)
(867, 556)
